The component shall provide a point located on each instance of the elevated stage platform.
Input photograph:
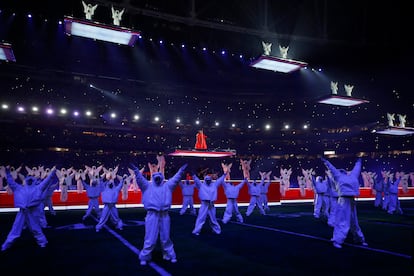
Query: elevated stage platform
(203, 153)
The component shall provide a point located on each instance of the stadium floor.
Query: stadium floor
(288, 240)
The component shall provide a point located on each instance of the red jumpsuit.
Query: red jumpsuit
(201, 141)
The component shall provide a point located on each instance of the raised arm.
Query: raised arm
(241, 184)
(10, 180)
(357, 168)
(173, 181)
(221, 179)
(48, 180)
(197, 181)
(335, 172)
(141, 180)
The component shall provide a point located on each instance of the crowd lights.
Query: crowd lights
(76, 113)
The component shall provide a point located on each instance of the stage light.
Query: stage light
(63, 111)
(329, 152)
(136, 117)
(113, 115)
(76, 113)
(49, 111)
(277, 64)
(342, 100)
(6, 52)
(20, 109)
(99, 31)
(88, 113)
(4, 106)
(35, 109)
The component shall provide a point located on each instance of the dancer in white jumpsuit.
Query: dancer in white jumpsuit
(157, 200)
(393, 202)
(378, 187)
(187, 189)
(93, 191)
(264, 190)
(254, 192)
(110, 195)
(346, 218)
(321, 199)
(28, 198)
(207, 192)
(333, 199)
(232, 193)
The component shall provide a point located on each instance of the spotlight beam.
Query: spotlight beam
(193, 21)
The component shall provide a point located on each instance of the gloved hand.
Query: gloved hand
(183, 167)
(133, 167)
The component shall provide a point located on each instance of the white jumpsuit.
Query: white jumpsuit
(346, 218)
(157, 200)
(254, 192)
(110, 195)
(232, 193)
(207, 192)
(187, 189)
(28, 197)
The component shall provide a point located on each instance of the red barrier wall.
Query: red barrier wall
(75, 198)
(294, 193)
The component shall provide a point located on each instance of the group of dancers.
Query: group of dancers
(386, 192)
(337, 190)
(33, 193)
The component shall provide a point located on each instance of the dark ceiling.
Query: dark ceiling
(363, 43)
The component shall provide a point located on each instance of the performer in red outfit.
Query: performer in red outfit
(201, 141)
